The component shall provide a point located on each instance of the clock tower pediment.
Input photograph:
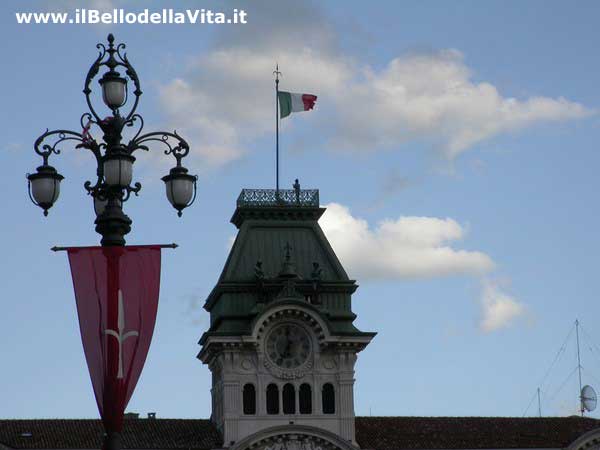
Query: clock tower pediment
(291, 309)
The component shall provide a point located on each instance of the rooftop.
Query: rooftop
(376, 433)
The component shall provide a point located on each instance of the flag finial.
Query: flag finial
(276, 72)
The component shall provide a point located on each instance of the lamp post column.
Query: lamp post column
(111, 188)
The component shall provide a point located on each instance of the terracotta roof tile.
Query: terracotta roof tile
(376, 433)
(395, 433)
(196, 434)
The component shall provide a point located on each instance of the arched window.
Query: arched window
(328, 395)
(249, 399)
(289, 399)
(272, 399)
(305, 399)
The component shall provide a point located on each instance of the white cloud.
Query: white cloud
(225, 100)
(498, 309)
(432, 96)
(407, 247)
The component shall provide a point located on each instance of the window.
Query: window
(305, 399)
(272, 399)
(249, 399)
(289, 399)
(328, 399)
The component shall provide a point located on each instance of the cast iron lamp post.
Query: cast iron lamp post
(114, 158)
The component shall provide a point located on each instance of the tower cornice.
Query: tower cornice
(272, 204)
(273, 286)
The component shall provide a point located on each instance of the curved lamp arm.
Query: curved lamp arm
(179, 149)
(44, 148)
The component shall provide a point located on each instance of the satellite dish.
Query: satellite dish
(588, 398)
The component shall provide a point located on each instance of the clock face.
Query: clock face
(288, 346)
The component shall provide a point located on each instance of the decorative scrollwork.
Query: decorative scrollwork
(132, 74)
(112, 58)
(94, 68)
(129, 190)
(281, 197)
(91, 189)
(46, 149)
(101, 191)
(131, 122)
(122, 45)
(85, 120)
(293, 441)
(179, 149)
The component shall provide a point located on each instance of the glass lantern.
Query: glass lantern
(180, 188)
(118, 169)
(44, 187)
(114, 89)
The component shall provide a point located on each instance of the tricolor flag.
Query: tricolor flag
(290, 102)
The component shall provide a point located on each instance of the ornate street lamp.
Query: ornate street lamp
(114, 158)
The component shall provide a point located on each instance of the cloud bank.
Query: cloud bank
(413, 248)
(225, 99)
(407, 247)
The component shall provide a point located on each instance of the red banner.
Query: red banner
(116, 289)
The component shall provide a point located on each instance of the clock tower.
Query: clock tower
(281, 345)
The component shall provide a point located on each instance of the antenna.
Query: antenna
(588, 398)
(579, 367)
(587, 394)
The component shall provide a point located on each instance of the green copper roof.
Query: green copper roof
(265, 240)
(280, 252)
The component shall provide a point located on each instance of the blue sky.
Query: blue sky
(454, 142)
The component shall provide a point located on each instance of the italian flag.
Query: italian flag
(290, 102)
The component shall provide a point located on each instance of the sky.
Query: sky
(455, 146)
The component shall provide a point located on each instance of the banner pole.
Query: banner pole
(64, 249)
(111, 394)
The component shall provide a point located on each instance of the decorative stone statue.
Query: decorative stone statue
(297, 190)
(317, 271)
(258, 270)
(307, 444)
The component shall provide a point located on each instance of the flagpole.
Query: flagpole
(277, 73)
